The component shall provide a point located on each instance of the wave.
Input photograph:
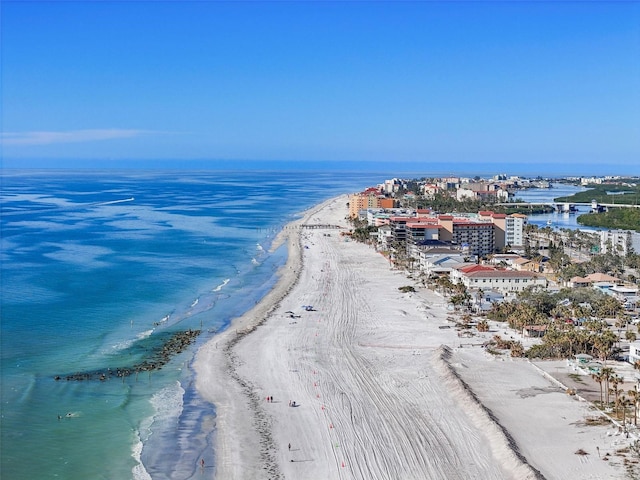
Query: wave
(124, 344)
(255, 262)
(145, 334)
(138, 471)
(259, 247)
(195, 302)
(164, 319)
(219, 287)
(168, 402)
(156, 433)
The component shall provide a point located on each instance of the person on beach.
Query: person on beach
(289, 447)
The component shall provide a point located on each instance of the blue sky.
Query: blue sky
(405, 84)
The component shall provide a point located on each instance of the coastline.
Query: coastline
(382, 384)
(215, 363)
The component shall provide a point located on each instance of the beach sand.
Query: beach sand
(384, 388)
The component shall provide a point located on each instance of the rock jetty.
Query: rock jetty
(176, 343)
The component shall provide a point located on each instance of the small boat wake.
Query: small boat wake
(113, 202)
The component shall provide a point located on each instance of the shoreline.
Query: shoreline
(216, 359)
(375, 396)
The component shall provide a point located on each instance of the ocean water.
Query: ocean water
(97, 269)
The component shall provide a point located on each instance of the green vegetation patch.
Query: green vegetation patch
(615, 218)
(601, 193)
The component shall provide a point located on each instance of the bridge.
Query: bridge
(568, 206)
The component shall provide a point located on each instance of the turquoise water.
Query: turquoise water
(96, 268)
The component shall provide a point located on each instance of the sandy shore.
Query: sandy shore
(383, 387)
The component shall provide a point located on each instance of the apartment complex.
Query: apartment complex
(474, 234)
(509, 230)
(614, 241)
(371, 198)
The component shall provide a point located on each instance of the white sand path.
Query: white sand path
(375, 398)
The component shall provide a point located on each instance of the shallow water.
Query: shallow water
(96, 267)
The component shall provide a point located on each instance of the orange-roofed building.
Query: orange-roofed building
(370, 198)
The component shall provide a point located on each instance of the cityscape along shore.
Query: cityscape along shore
(394, 346)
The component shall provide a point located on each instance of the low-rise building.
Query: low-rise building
(483, 277)
(627, 295)
(634, 353)
(592, 280)
(442, 264)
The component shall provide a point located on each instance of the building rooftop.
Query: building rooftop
(501, 274)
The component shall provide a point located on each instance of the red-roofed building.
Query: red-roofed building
(488, 278)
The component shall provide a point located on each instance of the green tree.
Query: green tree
(599, 378)
(615, 381)
(634, 397)
(607, 373)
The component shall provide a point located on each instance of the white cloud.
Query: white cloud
(70, 136)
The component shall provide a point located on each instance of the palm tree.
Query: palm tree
(609, 307)
(517, 350)
(412, 262)
(599, 377)
(624, 402)
(483, 326)
(615, 381)
(444, 284)
(604, 342)
(634, 397)
(478, 297)
(607, 374)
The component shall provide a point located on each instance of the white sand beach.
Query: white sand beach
(383, 387)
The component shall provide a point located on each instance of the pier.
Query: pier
(320, 225)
